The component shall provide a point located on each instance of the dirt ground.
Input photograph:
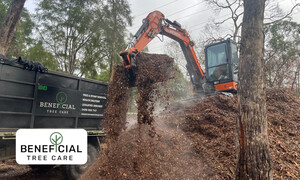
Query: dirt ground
(10, 170)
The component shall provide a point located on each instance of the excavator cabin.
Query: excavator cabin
(221, 60)
(221, 64)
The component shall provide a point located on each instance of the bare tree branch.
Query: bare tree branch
(221, 22)
(284, 17)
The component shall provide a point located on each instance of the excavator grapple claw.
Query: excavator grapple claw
(129, 59)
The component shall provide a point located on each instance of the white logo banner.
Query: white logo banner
(51, 146)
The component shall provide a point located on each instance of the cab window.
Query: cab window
(216, 55)
(234, 56)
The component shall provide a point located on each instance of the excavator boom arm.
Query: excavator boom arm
(154, 24)
(193, 67)
(151, 27)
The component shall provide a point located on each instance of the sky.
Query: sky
(193, 15)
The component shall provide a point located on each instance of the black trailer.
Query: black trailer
(33, 99)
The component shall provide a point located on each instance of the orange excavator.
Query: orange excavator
(221, 59)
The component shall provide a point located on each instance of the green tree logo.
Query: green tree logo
(56, 139)
(61, 98)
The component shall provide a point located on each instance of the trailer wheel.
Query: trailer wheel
(75, 171)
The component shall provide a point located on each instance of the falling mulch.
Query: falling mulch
(116, 109)
(153, 70)
(193, 139)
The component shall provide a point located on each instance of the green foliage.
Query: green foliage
(145, 50)
(104, 76)
(282, 53)
(88, 68)
(67, 28)
(76, 36)
(3, 9)
(179, 87)
(22, 38)
(116, 18)
(282, 35)
(84, 36)
(39, 54)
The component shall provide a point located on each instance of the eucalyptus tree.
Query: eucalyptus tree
(117, 17)
(234, 13)
(85, 36)
(282, 54)
(67, 27)
(254, 161)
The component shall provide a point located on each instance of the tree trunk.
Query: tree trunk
(10, 23)
(111, 67)
(253, 144)
(113, 47)
(294, 80)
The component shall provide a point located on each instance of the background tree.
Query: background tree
(235, 12)
(235, 9)
(85, 37)
(173, 49)
(67, 27)
(38, 53)
(95, 56)
(253, 144)
(9, 24)
(282, 57)
(116, 19)
(179, 87)
(22, 39)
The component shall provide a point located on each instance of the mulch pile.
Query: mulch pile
(211, 126)
(284, 133)
(192, 139)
